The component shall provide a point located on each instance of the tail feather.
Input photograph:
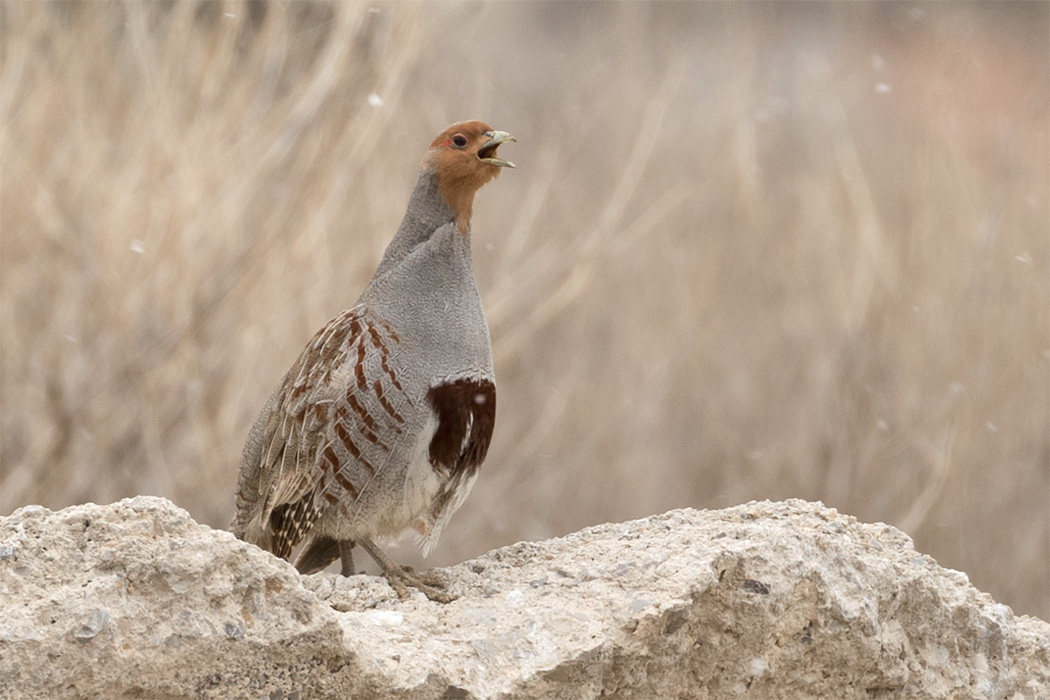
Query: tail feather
(317, 554)
(290, 523)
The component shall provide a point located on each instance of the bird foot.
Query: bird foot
(401, 578)
(427, 582)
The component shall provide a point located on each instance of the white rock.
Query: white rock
(766, 600)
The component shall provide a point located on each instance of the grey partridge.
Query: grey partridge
(382, 423)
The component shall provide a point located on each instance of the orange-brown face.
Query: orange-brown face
(463, 158)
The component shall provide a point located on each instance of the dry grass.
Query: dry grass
(753, 251)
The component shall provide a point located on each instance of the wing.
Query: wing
(332, 426)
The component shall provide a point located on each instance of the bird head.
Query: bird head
(463, 158)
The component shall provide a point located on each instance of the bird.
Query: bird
(381, 425)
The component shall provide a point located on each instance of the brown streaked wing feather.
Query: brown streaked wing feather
(328, 411)
(296, 431)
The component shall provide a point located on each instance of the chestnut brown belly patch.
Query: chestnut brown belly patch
(466, 413)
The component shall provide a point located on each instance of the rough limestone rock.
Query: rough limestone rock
(766, 600)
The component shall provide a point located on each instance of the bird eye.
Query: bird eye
(459, 140)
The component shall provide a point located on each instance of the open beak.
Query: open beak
(487, 153)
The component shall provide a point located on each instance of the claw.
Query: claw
(428, 583)
(403, 577)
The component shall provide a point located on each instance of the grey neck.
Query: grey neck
(427, 212)
(425, 288)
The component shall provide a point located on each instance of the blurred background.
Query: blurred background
(751, 251)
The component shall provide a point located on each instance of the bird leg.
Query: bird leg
(346, 555)
(401, 577)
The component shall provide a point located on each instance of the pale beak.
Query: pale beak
(487, 153)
